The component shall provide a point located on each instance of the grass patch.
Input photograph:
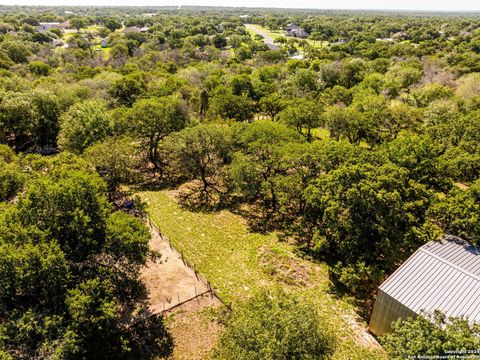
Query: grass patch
(278, 34)
(273, 34)
(321, 133)
(105, 51)
(239, 262)
(219, 244)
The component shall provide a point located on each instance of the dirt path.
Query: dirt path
(173, 288)
(267, 39)
(169, 280)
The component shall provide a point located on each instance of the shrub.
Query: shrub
(275, 326)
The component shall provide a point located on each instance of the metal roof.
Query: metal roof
(441, 275)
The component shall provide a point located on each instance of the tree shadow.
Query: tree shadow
(363, 301)
(149, 338)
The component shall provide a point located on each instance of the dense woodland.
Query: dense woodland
(360, 152)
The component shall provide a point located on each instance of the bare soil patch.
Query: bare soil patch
(195, 332)
(174, 290)
(169, 280)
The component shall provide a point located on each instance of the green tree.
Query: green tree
(17, 51)
(78, 23)
(431, 335)
(75, 214)
(259, 160)
(230, 106)
(302, 115)
(343, 122)
(39, 68)
(275, 326)
(69, 270)
(367, 212)
(48, 108)
(155, 118)
(458, 212)
(271, 105)
(420, 155)
(116, 160)
(83, 125)
(204, 101)
(12, 180)
(18, 119)
(219, 41)
(113, 24)
(128, 89)
(199, 153)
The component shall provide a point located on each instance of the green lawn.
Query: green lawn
(277, 34)
(238, 262)
(105, 51)
(273, 34)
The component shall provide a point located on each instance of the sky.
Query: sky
(432, 5)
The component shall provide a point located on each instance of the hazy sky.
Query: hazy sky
(319, 4)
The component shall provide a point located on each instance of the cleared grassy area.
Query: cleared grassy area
(239, 262)
(219, 244)
(105, 51)
(276, 34)
(272, 34)
(321, 133)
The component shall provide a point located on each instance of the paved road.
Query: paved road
(267, 39)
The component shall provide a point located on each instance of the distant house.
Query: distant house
(291, 27)
(131, 29)
(441, 275)
(295, 31)
(272, 46)
(399, 35)
(104, 43)
(45, 26)
(144, 29)
(385, 39)
(297, 57)
(57, 43)
(338, 42)
(64, 26)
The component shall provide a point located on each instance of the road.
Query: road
(267, 39)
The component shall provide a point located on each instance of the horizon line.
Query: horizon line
(179, 6)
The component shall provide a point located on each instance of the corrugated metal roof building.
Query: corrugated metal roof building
(441, 275)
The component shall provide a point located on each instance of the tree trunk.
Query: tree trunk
(3, 135)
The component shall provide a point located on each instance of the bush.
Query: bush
(39, 68)
(11, 180)
(275, 326)
(361, 280)
(430, 335)
(83, 125)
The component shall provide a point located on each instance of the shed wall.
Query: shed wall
(385, 312)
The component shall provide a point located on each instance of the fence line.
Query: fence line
(199, 276)
(164, 311)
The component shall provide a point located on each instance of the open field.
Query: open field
(104, 51)
(254, 28)
(238, 263)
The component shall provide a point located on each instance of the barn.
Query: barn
(441, 275)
